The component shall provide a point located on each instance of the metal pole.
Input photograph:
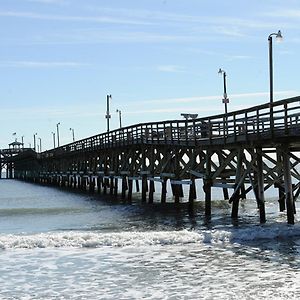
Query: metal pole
(225, 93)
(73, 135)
(57, 134)
(120, 117)
(271, 68)
(40, 144)
(107, 111)
(22, 141)
(271, 81)
(34, 142)
(53, 135)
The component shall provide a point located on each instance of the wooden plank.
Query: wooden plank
(197, 174)
(156, 179)
(145, 172)
(224, 185)
(167, 175)
(125, 173)
(181, 182)
(134, 177)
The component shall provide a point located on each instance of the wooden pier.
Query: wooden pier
(247, 150)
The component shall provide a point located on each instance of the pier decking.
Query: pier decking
(247, 150)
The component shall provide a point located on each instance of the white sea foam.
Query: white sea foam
(75, 239)
(94, 239)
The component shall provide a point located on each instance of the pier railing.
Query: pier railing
(255, 123)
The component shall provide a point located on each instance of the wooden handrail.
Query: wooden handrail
(254, 120)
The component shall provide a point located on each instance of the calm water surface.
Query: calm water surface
(57, 244)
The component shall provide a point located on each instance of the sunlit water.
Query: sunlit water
(57, 244)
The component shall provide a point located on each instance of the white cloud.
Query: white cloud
(60, 2)
(279, 94)
(284, 13)
(170, 69)
(94, 19)
(41, 64)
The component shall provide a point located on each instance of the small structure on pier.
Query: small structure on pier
(15, 145)
(7, 157)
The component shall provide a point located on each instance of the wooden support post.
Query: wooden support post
(164, 191)
(207, 184)
(225, 190)
(288, 184)
(92, 185)
(260, 186)
(84, 183)
(124, 187)
(144, 188)
(129, 196)
(137, 186)
(236, 198)
(176, 192)
(70, 181)
(280, 183)
(116, 187)
(243, 192)
(192, 194)
(151, 191)
(111, 186)
(99, 184)
(105, 186)
(207, 190)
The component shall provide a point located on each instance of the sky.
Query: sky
(59, 59)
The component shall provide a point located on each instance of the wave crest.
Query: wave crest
(75, 239)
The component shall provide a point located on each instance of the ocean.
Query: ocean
(60, 244)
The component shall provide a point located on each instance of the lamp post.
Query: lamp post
(225, 99)
(53, 135)
(40, 144)
(22, 137)
(278, 37)
(120, 117)
(57, 129)
(107, 116)
(73, 135)
(34, 142)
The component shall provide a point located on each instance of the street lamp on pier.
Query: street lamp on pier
(278, 37)
(57, 129)
(225, 99)
(22, 137)
(120, 117)
(73, 135)
(40, 144)
(107, 116)
(53, 135)
(34, 141)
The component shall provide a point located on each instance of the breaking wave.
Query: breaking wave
(76, 239)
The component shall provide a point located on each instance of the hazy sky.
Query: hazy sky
(158, 58)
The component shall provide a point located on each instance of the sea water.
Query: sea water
(58, 244)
